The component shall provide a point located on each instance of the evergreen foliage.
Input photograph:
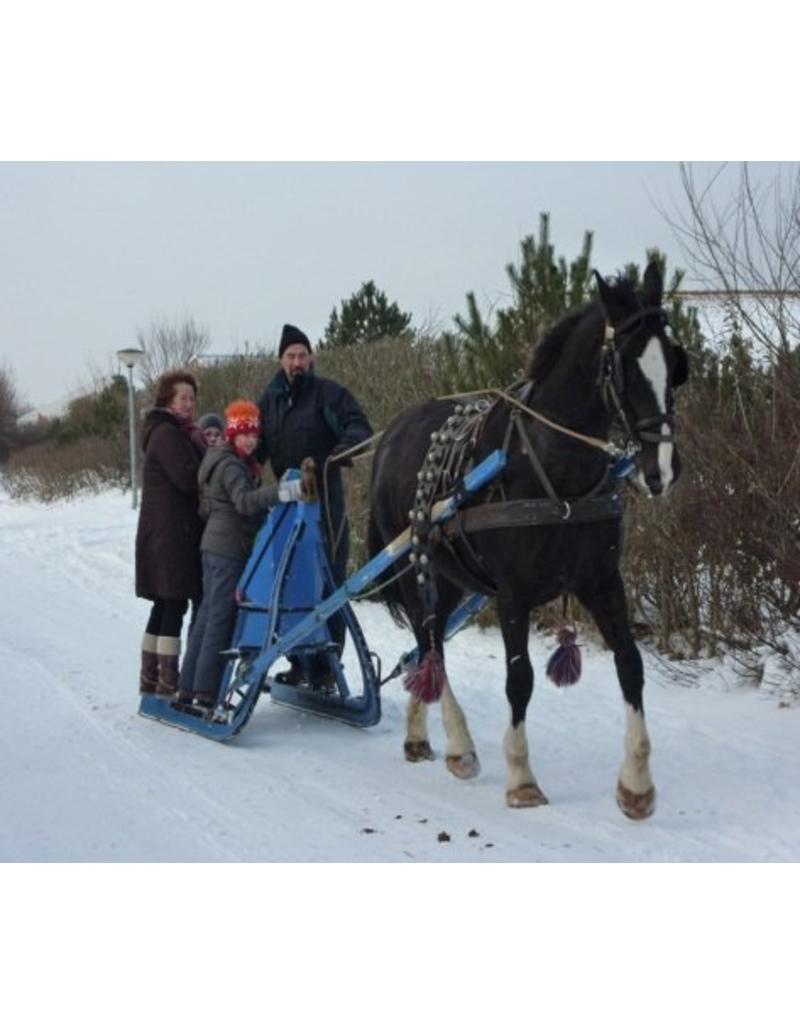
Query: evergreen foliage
(366, 316)
(543, 287)
(10, 409)
(103, 414)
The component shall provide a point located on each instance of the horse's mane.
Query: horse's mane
(551, 344)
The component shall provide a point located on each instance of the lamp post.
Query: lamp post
(130, 357)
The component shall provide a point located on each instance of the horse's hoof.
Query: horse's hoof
(418, 750)
(528, 795)
(636, 805)
(464, 766)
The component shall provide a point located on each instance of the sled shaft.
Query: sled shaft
(366, 576)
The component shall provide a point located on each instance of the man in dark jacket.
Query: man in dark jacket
(304, 415)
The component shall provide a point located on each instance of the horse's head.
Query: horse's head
(641, 365)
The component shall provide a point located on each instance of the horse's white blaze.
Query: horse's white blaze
(515, 744)
(654, 370)
(459, 741)
(635, 774)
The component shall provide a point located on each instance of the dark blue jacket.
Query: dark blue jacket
(310, 419)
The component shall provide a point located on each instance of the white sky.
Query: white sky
(94, 251)
(89, 252)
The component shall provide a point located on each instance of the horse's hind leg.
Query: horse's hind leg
(522, 789)
(461, 758)
(636, 793)
(416, 746)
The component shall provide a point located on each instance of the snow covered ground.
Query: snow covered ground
(85, 779)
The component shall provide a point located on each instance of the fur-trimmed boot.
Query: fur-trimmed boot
(168, 649)
(148, 674)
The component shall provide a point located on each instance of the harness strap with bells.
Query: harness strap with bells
(458, 435)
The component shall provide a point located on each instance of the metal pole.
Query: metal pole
(132, 431)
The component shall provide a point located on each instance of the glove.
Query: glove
(347, 463)
(290, 490)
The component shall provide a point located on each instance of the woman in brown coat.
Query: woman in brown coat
(168, 569)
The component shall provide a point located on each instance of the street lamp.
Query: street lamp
(130, 357)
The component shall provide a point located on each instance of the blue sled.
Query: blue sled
(287, 597)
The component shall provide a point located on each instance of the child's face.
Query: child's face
(213, 436)
(245, 444)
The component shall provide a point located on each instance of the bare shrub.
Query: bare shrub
(735, 525)
(49, 472)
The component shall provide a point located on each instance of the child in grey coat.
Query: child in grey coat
(233, 503)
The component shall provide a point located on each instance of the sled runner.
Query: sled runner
(287, 597)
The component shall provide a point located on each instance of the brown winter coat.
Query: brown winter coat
(168, 536)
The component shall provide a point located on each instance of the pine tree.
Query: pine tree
(366, 316)
(543, 288)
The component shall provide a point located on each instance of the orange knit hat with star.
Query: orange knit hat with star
(241, 417)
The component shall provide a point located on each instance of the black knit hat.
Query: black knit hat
(292, 336)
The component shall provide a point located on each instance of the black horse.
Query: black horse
(551, 526)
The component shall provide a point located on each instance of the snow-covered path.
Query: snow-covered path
(86, 779)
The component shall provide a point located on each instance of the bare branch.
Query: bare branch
(747, 246)
(170, 346)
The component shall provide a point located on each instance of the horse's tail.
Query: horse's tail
(389, 592)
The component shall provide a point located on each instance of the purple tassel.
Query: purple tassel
(426, 680)
(564, 666)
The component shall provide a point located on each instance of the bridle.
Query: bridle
(612, 380)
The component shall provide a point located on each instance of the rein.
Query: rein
(596, 442)
(350, 455)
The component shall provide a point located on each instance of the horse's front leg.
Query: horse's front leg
(636, 794)
(522, 789)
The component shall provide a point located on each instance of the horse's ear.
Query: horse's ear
(602, 287)
(653, 289)
(612, 302)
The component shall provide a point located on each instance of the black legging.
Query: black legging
(166, 617)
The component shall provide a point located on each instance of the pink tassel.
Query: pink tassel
(564, 666)
(426, 681)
